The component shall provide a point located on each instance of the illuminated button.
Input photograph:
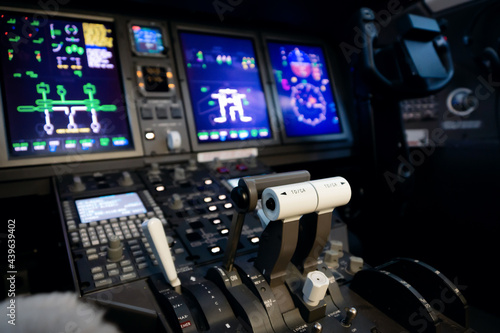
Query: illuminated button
(150, 135)
(222, 197)
(208, 182)
(222, 170)
(216, 221)
(160, 188)
(241, 167)
(228, 205)
(224, 231)
(215, 250)
(254, 240)
(146, 112)
(207, 199)
(212, 208)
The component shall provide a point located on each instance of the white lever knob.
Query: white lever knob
(315, 287)
(153, 229)
(355, 264)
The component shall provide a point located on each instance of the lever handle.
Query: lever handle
(153, 229)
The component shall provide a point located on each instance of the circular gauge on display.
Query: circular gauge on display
(300, 63)
(308, 104)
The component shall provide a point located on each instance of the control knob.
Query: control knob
(174, 140)
(115, 249)
(462, 102)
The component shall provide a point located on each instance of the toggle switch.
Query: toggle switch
(350, 314)
(126, 179)
(78, 185)
(175, 202)
(317, 328)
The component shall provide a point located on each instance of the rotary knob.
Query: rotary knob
(115, 249)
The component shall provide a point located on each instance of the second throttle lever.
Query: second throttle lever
(245, 197)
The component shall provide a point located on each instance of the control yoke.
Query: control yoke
(418, 62)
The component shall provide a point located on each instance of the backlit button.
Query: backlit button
(224, 231)
(149, 135)
(215, 250)
(241, 167)
(222, 170)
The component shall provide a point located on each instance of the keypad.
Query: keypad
(89, 242)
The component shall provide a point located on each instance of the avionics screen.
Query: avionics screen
(110, 206)
(226, 91)
(147, 40)
(61, 85)
(304, 88)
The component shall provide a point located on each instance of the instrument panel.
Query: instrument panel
(92, 88)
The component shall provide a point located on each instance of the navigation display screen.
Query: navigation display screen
(304, 89)
(225, 88)
(61, 85)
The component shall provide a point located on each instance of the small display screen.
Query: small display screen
(148, 40)
(305, 91)
(110, 206)
(62, 88)
(155, 79)
(225, 88)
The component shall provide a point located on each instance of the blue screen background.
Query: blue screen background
(304, 89)
(216, 64)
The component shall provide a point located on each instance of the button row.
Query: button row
(161, 111)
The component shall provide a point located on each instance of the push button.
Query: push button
(146, 112)
(161, 112)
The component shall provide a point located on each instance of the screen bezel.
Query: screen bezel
(175, 29)
(345, 134)
(124, 67)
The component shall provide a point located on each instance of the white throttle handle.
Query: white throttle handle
(153, 229)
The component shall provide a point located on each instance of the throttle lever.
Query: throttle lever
(245, 196)
(154, 232)
(313, 202)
